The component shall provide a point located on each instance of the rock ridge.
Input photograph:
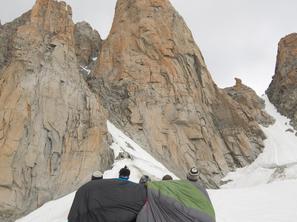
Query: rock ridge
(282, 91)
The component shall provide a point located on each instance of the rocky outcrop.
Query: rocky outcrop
(250, 103)
(152, 78)
(7, 33)
(87, 43)
(52, 127)
(282, 91)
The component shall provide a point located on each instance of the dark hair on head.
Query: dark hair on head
(167, 177)
(124, 172)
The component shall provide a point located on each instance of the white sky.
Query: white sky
(238, 38)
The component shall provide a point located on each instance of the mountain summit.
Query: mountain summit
(153, 80)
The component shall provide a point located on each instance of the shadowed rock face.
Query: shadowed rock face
(87, 43)
(152, 78)
(282, 91)
(53, 129)
(7, 33)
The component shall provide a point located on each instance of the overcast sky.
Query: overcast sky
(238, 38)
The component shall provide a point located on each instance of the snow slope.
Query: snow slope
(139, 161)
(53, 211)
(278, 160)
(274, 202)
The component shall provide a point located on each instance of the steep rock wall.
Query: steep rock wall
(52, 128)
(282, 91)
(152, 78)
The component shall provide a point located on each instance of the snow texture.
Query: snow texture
(53, 211)
(278, 160)
(137, 159)
(275, 202)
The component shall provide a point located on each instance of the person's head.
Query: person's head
(97, 175)
(124, 173)
(193, 174)
(144, 179)
(167, 177)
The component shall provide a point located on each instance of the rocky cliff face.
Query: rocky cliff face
(7, 33)
(52, 128)
(152, 78)
(87, 44)
(282, 91)
(250, 103)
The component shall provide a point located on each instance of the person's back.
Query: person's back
(117, 201)
(107, 200)
(175, 201)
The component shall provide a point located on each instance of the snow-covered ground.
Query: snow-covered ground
(247, 199)
(139, 161)
(53, 211)
(275, 202)
(278, 160)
